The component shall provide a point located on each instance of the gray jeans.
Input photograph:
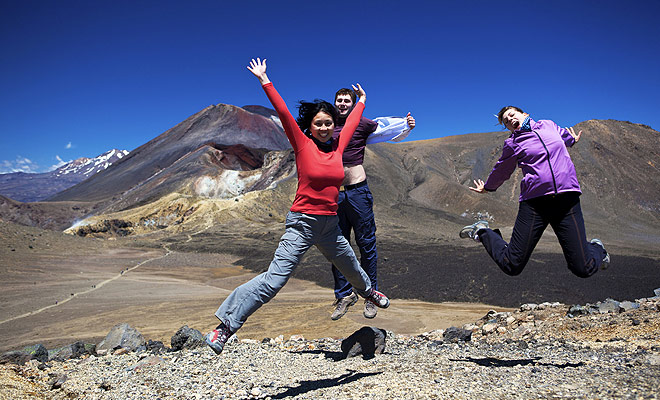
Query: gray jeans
(302, 231)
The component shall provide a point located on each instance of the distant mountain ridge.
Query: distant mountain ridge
(89, 166)
(227, 163)
(29, 187)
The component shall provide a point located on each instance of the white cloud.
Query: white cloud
(60, 162)
(21, 164)
(68, 145)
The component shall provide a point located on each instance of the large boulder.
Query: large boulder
(454, 335)
(15, 357)
(37, 352)
(186, 338)
(367, 341)
(122, 336)
(75, 350)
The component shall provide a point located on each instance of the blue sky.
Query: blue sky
(78, 78)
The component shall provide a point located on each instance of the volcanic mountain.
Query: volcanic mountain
(208, 136)
(27, 187)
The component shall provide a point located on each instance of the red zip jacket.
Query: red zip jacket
(319, 174)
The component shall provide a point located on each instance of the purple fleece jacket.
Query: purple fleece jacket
(542, 155)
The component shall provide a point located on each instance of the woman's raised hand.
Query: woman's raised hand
(361, 93)
(479, 186)
(258, 68)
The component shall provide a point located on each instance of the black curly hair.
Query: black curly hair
(308, 110)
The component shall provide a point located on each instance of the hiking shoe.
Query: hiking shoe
(342, 306)
(377, 298)
(370, 309)
(217, 338)
(470, 231)
(606, 259)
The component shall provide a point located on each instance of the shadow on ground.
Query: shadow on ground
(496, 362)
(311, 385)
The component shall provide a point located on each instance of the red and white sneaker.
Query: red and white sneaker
(379, 299)
(217, 338)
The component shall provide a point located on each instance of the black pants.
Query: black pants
(564, 214)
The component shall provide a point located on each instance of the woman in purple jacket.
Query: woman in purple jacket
(549, 194)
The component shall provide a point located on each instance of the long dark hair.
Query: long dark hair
(308, 110)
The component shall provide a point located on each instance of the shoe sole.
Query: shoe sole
(334, 318)
(212, 345)
(364, 313)
(465, 232)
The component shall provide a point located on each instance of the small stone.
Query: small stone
(653, 359)
(56, 380)
(488, 328)
(608, 306)
(147, 362)
(577, 310)
(628, 305)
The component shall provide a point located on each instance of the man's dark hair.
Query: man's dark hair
(308, 110)
(347, 91)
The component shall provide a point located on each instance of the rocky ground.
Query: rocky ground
(551, 350)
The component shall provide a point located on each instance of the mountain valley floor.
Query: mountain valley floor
(57, 289)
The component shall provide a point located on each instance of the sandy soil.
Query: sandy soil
(56, 299)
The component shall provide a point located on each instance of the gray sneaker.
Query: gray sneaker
(470, 231)
(606, 259)
(370, 309)
(342, 306)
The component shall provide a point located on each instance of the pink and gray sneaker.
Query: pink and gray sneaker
(379, 299)
(217, 338)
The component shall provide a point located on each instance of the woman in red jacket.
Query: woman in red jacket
(312, 219)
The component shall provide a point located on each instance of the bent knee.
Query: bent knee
(513, 272)
(584, 270)
(513, 267)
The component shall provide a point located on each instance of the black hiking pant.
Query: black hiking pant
(563, 213)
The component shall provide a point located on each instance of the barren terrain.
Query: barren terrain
(58, 289)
